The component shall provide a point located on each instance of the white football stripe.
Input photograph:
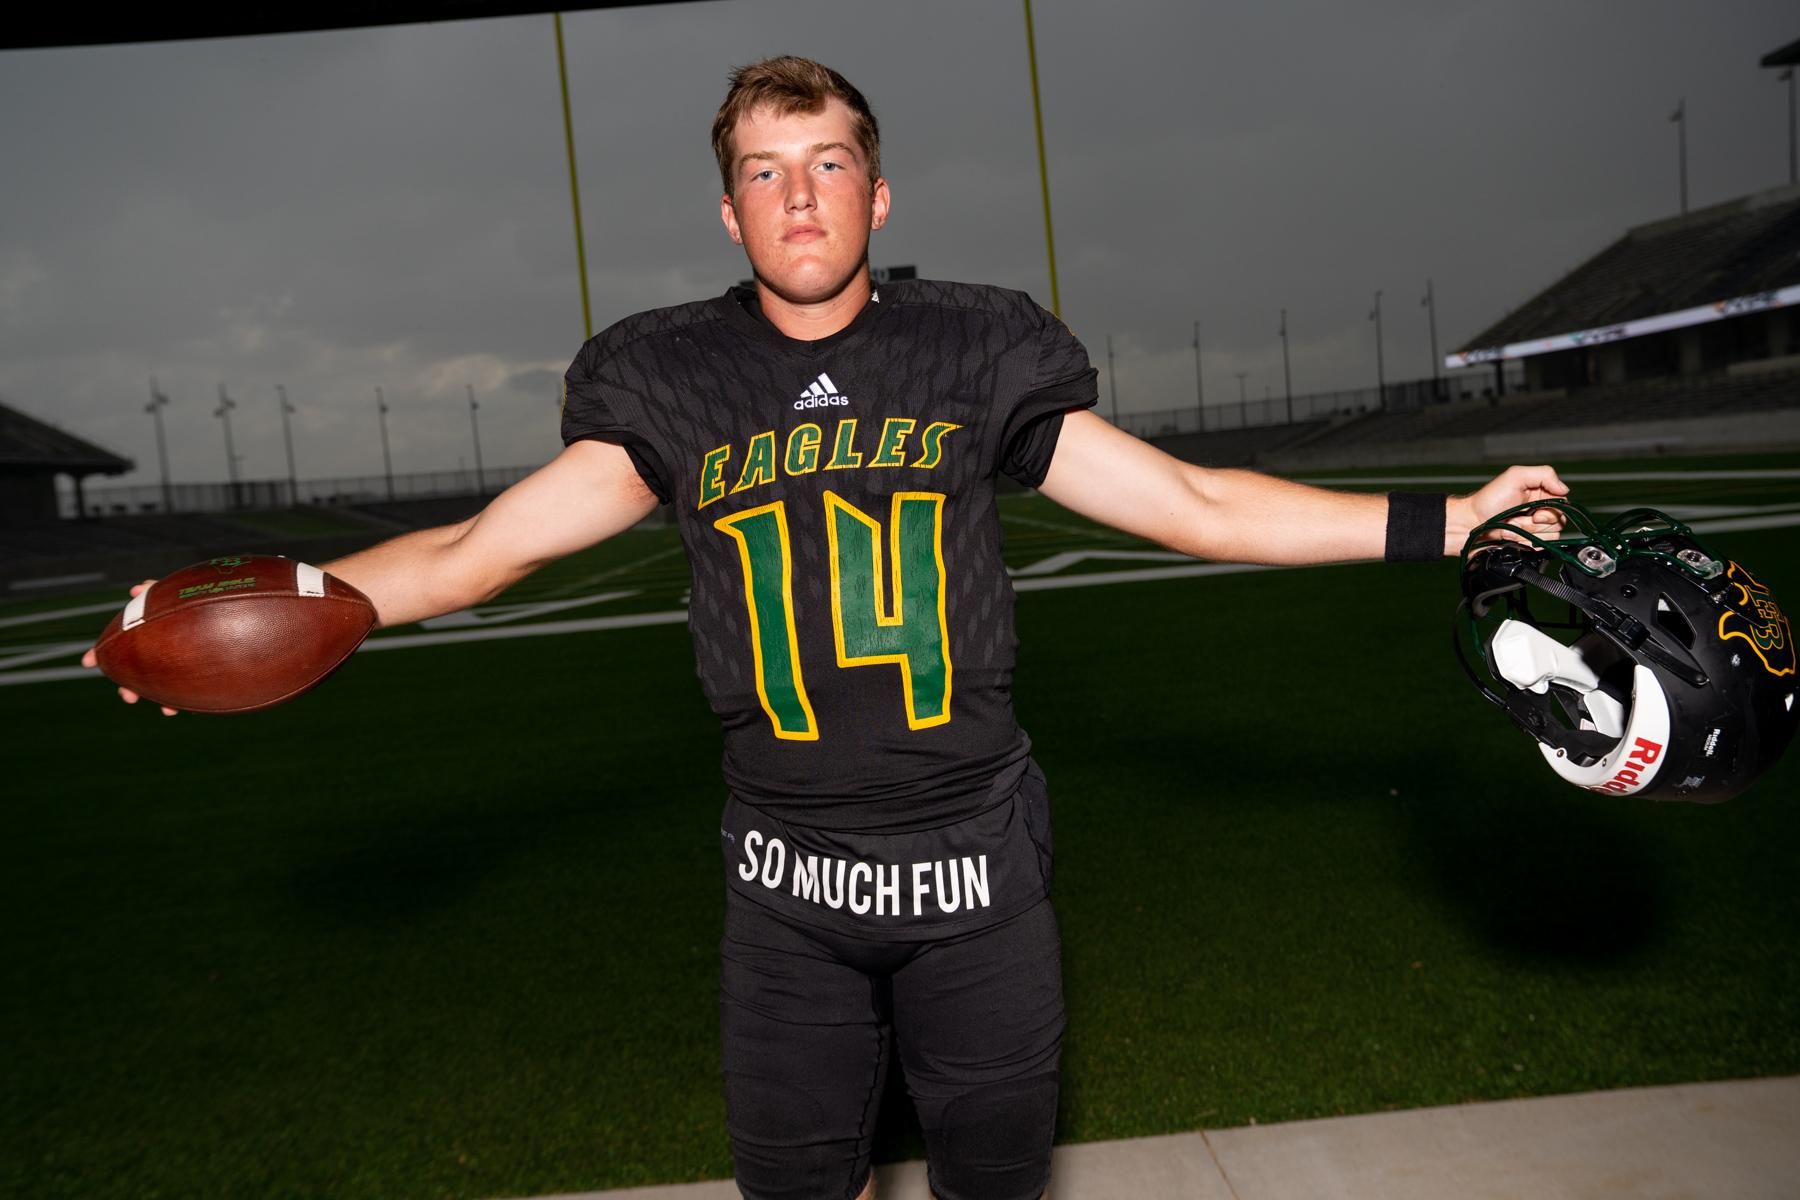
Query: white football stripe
(308, 579)
(134, 612)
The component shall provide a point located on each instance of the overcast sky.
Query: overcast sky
(391, 206)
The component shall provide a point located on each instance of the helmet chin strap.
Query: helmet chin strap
(1622, 628)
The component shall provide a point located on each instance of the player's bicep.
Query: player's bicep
(586, 494)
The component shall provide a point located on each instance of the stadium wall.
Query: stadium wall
(1736, 433)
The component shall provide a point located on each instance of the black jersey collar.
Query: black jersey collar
(743, 311)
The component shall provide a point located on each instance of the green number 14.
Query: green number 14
(886, 607)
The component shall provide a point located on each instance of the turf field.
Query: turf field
(448, 927)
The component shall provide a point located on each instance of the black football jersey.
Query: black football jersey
(851, 615)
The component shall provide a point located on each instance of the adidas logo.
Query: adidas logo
(821, 393)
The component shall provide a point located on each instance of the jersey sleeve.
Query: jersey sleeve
(596, 406)
(1063, 380)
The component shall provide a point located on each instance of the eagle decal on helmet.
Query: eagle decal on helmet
(1753, 615)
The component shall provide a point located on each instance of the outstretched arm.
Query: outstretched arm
(584, 495)
(1240, 516)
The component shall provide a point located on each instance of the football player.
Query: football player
(831, 450)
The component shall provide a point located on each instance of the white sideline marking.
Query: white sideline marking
(1742, 524)
(48, 675)
(1698, 512)
(1567, 476)
(405, 641)
(57, 614)
(624, 568)
(1042, 583)
(1013, 518)
(31, 654)
(1069, 558)
(500, 614)
(1189, 570)
(25, 585)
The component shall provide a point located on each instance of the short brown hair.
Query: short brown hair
(791, 85)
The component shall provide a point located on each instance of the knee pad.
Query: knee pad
(993, 1142)
(785, 1146)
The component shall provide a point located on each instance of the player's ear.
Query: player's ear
(878, 205)
(728, 214)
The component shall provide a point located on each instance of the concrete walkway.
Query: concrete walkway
(1708, 1141)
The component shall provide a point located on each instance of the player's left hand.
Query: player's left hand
(1512, 487)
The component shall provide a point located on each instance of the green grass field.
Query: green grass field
(448, 926)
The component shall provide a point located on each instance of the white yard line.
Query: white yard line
(1190, 570)
(1031, 583)
(18, 656)
(1069, 558)
(1012, 518)
(1742, 524)
(59, 613)
(501, 614)
(613, 572)
(1568, 477)
(407, 641)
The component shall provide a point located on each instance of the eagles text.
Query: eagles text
(807, 449)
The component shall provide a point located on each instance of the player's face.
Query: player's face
(801, 203)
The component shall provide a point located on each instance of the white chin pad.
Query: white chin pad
(1532, 660)
(1632, 764)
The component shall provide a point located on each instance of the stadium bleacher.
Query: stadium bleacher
(1240, 447)
(1742, 247)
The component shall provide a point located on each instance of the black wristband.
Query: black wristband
(1415, 526)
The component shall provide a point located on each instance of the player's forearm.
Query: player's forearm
(419, 575)
(1250, 517)
(1243, 516)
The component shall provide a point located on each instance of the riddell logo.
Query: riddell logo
(1635, 773)
(821, 394)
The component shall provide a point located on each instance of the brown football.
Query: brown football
(234, 634)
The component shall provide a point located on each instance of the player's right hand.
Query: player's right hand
(91, 663)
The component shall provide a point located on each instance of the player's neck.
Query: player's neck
(808, 322)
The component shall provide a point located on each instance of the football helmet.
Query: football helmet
(1673, 677)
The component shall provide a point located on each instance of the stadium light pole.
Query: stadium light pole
(1112, 379)
(158, 402)
(475, 428)
(562, 71)
(1287, 373)
(1199, 385)
(1037, 118)
(1787, 77)
(287, 439)
(1380, 365)
(387, 459)
(1679, 117)
(223, 412)
(1429, 303)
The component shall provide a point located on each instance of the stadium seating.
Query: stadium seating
(1623, 406)
(1240, 447)
(1738, 248)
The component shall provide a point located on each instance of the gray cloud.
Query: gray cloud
(338, 211)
